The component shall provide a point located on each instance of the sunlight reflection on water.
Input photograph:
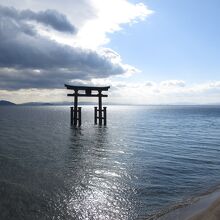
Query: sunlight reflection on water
(102, 192)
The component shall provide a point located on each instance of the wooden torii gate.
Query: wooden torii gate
(100, 113)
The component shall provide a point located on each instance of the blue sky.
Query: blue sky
(148, 51)
(179, 41)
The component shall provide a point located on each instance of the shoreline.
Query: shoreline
(203, 207)
(211, 213)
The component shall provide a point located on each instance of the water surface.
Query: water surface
(147, 159)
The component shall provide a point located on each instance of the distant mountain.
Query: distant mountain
(54, 103)
(6, 103)
(35, 104)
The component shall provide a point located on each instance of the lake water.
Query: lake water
(147, 159)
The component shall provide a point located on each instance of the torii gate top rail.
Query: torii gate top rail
(87, 92)
(96, 88)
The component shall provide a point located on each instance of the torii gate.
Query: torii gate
(87, 91)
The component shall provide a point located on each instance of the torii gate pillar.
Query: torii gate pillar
(100, 113)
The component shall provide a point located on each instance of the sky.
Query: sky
(149, 51)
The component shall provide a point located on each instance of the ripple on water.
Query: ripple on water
(147, 158)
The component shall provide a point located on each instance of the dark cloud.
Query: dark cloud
(14, 79)
(51, 18)
(28, 60)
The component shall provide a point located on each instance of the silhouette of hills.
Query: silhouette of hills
(6, 103)
(54, 103)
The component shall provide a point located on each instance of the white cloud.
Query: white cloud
(149, 83)
(215, 84)
(127, 93)
(166, 92)
(110, 16)
(173, 83)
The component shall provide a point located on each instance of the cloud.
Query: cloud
(110, 17)
(29, 60)
(51, 18)
(94, 19)
(215, 84)
(173, 83)
(65, 43)
(166, 92)
(78, 12)
(149, 84)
